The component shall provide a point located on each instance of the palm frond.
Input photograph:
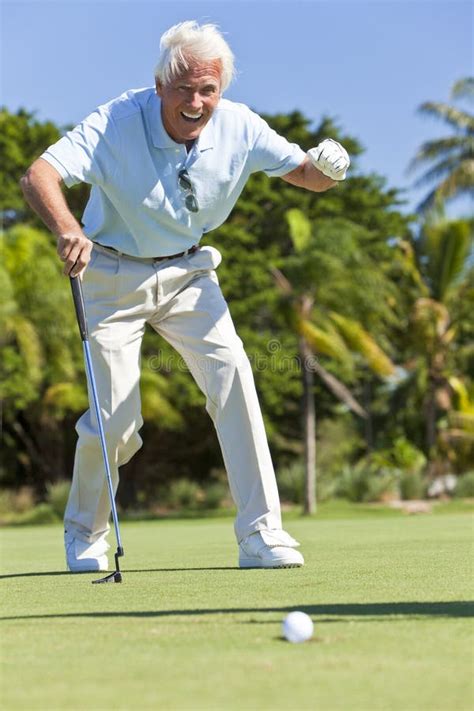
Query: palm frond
(463, 88)
(456, 184)
(439, 170)
(362, 342)
(300, 229)
(323, 342)
(440, 147)
(461, 179)
(409, 261)
(458, 119)
(464, 400)
(449, 252)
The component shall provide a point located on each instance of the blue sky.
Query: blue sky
(368, 64)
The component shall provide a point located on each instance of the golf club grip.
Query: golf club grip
(78, 297)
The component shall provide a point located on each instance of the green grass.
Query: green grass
(188, 630)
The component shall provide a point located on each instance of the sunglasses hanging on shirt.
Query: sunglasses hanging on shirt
(184, 182)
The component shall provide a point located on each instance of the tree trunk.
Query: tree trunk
(367, 400)
(430, 422)
(309, 425)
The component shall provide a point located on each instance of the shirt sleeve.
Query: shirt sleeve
(85, 154)
(272, 153)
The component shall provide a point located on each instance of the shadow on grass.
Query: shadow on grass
(49, 573)
(372, 610)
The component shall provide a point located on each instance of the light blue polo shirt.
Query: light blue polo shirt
(136, 204)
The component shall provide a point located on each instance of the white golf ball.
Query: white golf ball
(297, 627)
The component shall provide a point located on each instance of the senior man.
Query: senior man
(166, 165)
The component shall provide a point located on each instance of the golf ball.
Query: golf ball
(297, 627)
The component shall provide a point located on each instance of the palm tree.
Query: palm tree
(438, 264)
(451, 159)
(321, 330)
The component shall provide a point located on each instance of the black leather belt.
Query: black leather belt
(117, 253)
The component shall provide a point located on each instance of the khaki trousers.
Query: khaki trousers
(181, 299)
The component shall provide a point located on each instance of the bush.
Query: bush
(290, 481)
(465, 486)
(57, 496)
(42, 513)
(338, 444)
(364, 483)
(353, 484)
(187, 494)
(383, 486)
(412, 486)
(214, 494)
(183, 494)
(14, 504)
(407, 457)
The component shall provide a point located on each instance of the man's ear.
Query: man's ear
(159, 87)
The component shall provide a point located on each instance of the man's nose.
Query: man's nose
(194, 100)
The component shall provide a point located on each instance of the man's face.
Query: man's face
(188, 101)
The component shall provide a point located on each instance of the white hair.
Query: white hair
(189, 41)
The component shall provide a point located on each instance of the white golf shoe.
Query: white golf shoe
(84, 557)
(269, 549)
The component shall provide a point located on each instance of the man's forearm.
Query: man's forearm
(41, 186)
(308, 177)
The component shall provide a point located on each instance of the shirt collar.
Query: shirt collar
(161, 139)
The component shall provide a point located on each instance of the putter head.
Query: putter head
(115, 577)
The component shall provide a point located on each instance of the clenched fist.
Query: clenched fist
(330, 158)
(74, 249)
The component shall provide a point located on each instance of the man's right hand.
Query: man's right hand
(74, 249)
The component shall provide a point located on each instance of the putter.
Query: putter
(78, 296)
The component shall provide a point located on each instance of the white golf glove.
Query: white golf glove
(330, 158)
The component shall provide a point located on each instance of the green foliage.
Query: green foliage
(384, 474)
(216, 493)
(366, 482)
(183, 494)
(338, 442)
(40, 514)
(438, 278)
(155, 403)
(40, 356)
(412, 485)
(443, 251)
(290, 481)
(361, 342)
(61, 398)
(22, 139)
(17, 502)
(404, 455)
(57, 496)
(300, 229)
(187, 495)
(465, 486)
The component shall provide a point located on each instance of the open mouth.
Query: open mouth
(191, 118)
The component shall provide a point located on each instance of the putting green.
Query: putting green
(188, 630)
